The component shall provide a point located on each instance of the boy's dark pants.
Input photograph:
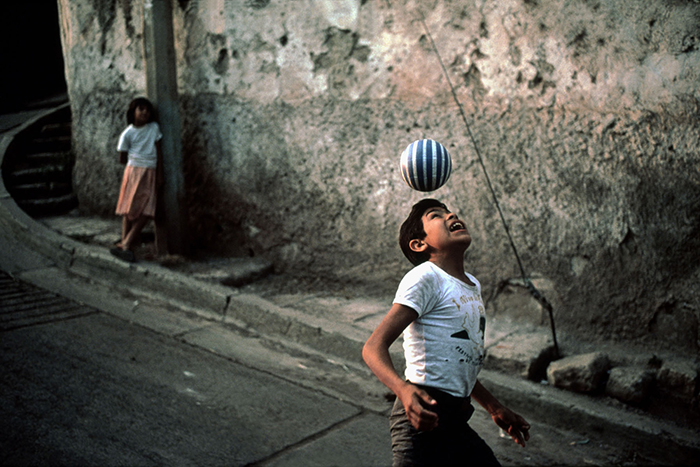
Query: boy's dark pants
(453, 442)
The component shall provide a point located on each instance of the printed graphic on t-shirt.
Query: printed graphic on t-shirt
(474, 321)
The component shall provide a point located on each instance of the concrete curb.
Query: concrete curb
(217, 302)
(652, 439)
(228, 306)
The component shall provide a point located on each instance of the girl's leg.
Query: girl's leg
(126, 227)
(136, 228)
(122, 249)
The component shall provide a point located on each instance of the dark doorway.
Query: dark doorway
(30, 54)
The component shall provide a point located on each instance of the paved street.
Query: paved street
(144, 384)
(96, 390)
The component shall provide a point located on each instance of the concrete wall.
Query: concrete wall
(295, 114)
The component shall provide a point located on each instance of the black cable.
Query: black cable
(528, 283)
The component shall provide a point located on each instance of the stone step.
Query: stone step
(42, 144)
(63, 128)
(44, 158)
(59, 123)
(41, 190)
(47, 173)
(49, 206)
(37, 168)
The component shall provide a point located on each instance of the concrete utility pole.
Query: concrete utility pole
(161, 87)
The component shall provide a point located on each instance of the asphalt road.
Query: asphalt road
(150, 386)
(95, 390)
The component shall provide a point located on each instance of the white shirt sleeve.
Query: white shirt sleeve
(419, 289)
(124, 140)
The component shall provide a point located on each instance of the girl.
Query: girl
(139, 148)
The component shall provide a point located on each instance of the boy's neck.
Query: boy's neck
(452, 264)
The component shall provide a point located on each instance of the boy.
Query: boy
(439, 309)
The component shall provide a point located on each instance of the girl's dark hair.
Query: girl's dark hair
(139, 102)
(412, 229)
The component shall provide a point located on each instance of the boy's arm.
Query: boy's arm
(376, 354)
(123, 157)
(514, 424)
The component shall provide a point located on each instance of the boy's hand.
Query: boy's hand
(513, 424)
(415, 402)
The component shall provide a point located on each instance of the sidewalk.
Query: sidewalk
(332, 325)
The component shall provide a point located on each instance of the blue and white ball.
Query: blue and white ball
(425, 165)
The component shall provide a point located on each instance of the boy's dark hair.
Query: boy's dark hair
(412, 229)
(139, 102)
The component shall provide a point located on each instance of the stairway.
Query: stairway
(38, 164)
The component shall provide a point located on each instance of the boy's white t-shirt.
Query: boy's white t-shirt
(444, 346)
(140, 143)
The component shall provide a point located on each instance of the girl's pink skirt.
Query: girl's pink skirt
(137, 196)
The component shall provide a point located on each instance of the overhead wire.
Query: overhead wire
(526, 280)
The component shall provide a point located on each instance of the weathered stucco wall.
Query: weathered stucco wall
(295, 114)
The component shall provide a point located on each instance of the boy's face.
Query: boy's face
(444, 231)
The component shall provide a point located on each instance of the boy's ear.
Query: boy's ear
(417, 245)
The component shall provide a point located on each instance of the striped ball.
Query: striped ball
(425, 165)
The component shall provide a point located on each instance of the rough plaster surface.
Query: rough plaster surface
(295, 114)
